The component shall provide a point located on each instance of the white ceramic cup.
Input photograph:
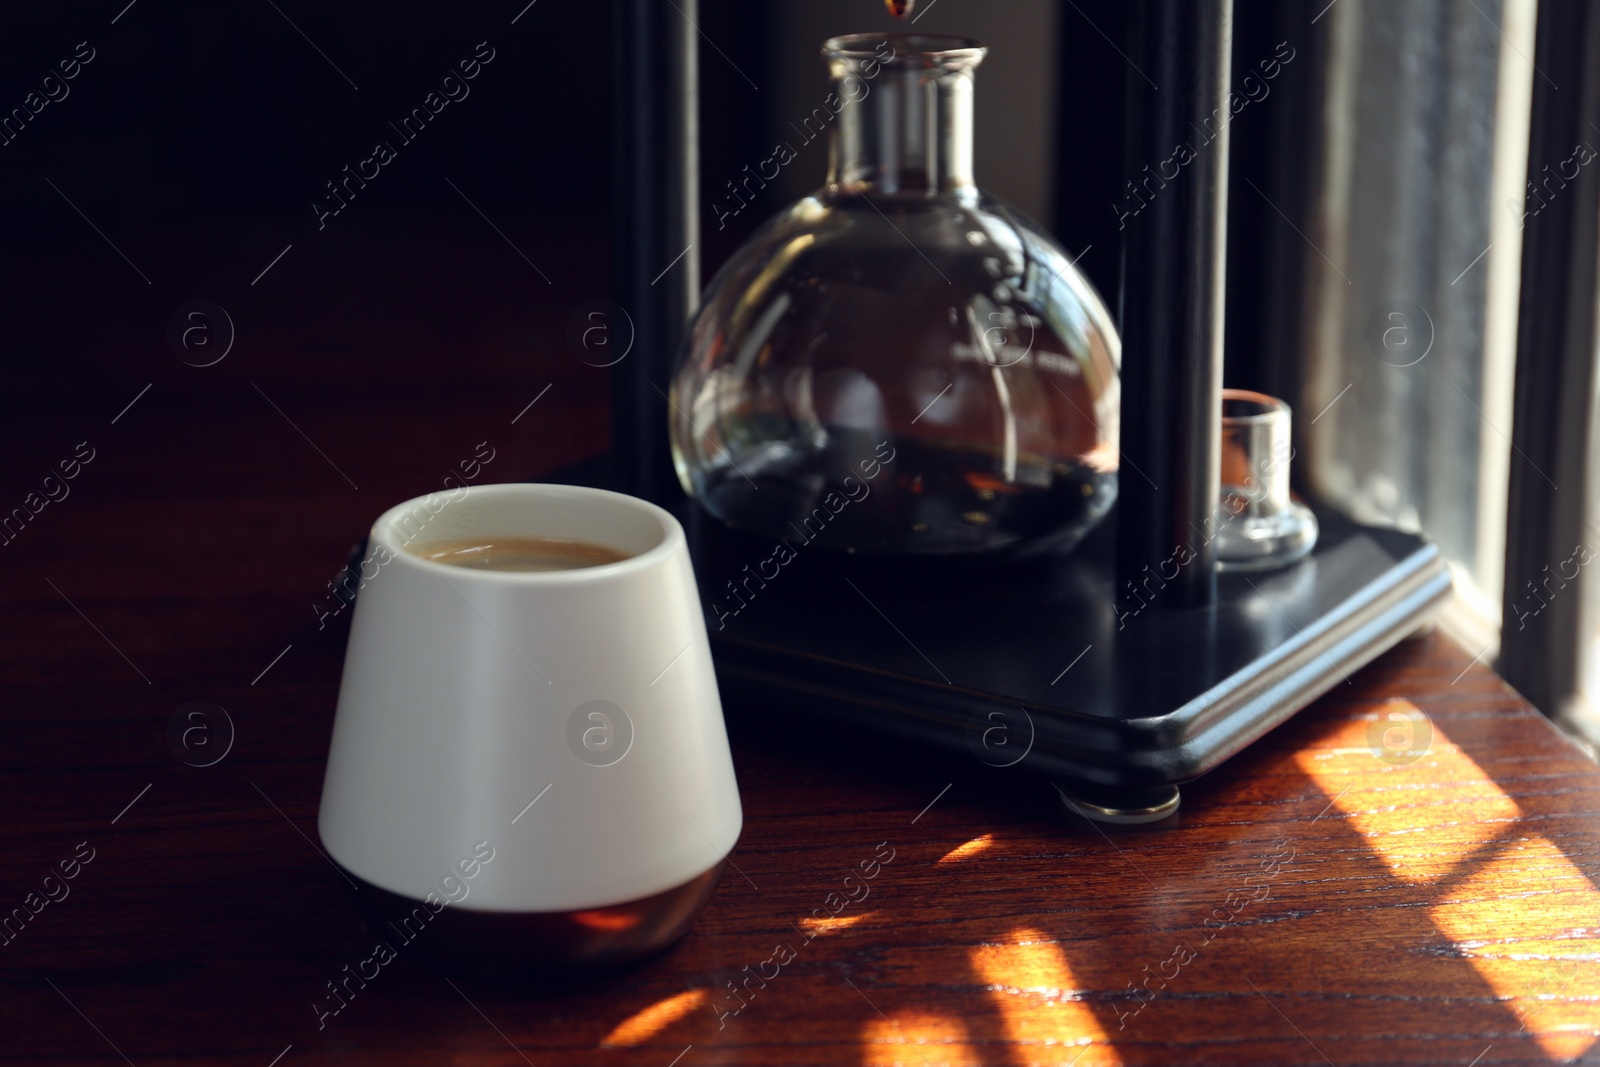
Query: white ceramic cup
(570, 719)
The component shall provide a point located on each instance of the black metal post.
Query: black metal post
(1544, 619)
(1174, 215)
(656, 225)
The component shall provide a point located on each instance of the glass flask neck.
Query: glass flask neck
(905, 114)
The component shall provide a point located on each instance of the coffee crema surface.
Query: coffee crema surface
(528, 554)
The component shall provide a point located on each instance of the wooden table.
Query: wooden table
(1311, 903)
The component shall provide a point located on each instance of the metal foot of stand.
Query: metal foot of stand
(1130, 807)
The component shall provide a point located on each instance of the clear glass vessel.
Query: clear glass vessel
(1262, 526)
(900, 363)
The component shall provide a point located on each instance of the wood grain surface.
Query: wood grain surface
(1312, 903)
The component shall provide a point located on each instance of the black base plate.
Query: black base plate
(1041, 663)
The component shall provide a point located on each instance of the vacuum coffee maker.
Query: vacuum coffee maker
(1117, 670)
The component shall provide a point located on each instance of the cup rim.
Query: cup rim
(672, 537)
(1271, 407)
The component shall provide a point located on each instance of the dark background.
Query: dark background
(196, 142)
(198, 138)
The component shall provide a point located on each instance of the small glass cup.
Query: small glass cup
(1261, 526)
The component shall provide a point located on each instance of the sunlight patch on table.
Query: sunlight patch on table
(1421, 812)
(643, 1025)
(1033, 989)
(968, 850)
(1513, 917)
(917, 1039)
(831, 924)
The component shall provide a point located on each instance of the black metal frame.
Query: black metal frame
(1544, 626)
(1279, 152)
(1173, 295)
(655, 228)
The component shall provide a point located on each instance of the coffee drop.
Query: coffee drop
(900, 8)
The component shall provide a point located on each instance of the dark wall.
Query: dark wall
(189, 152)
(199, 136)
(190, 109)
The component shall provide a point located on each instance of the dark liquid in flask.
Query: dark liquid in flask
(933, 497)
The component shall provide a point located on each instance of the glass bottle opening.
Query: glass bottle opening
(907, 50)
(1244, 405)
(904, 103)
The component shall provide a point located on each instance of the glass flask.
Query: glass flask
(900, 363)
